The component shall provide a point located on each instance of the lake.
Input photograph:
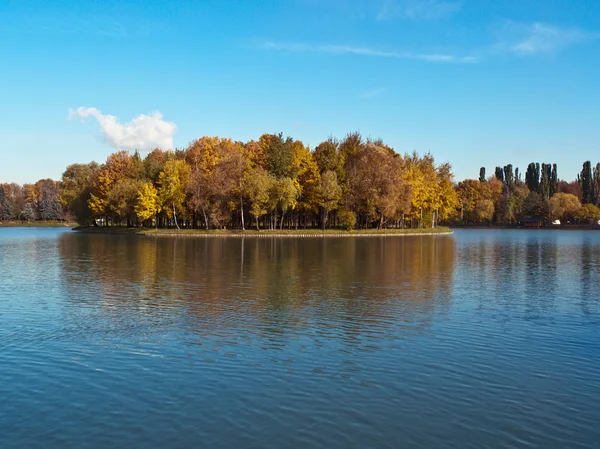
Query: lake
(483, 339)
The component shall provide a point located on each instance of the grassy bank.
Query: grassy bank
(36, 224)
(264, 233)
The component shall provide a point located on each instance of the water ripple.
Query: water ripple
(485, 339)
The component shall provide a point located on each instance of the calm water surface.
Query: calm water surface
(484, 339)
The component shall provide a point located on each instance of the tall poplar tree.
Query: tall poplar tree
(587, 191)
(544, 189)
(532, 177)
(499, 174)
(554, 181)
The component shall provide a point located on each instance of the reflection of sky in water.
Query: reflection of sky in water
(483, 339)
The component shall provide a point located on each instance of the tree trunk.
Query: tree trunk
(175, 216)
(205, 218)
(242, 212)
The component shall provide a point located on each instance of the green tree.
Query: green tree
(122, 198)
(535, 206)
(499, 173)
(587, 190)
(76, 189)
(554, 180)
(532, 177)
(328, 157)
(482, 174)
(545, 188)
(279, 155)
(511, 205)
(509, 175)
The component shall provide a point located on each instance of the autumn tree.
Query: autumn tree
(484, 210)
(199, 192)
(588, 213)
(373, 182)
(172, 181)
(235, 165)
(259, 184)
(307, 179)
(573, 187)
(329, 194)
(284, 197)
(148, 202)
(117, 166)
(432, 188)
(563, 206)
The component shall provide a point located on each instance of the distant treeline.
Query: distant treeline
(506, 198)
(278, 182)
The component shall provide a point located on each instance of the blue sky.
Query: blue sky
(476, 83)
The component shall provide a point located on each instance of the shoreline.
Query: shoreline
(35, 224)
(524, 228)
(265, 233)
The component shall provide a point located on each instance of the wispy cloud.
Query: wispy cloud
(418, 9)
(294, 47)
(144, 133)
(538, 38)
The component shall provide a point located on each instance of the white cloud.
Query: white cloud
(536, 38)
(290, 47)
(143, 133)
(418, 9)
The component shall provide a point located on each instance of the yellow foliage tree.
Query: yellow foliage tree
(148, 204)
(172, 181)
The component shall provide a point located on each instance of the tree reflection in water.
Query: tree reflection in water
(353, 290)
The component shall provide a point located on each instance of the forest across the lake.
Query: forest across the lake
(278, 182)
